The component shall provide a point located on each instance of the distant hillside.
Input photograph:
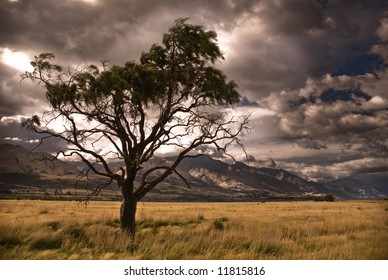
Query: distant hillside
(269, 182)
(36, 174)
(351, 188)
(239, 177)
(16, 159)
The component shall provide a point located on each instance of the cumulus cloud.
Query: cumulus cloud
(261, 161)
(12, 132)
(348, 117)
(337, 170)
(382, 47)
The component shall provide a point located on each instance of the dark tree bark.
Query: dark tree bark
(128, 215)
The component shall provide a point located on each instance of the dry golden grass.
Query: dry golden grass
(272, 230)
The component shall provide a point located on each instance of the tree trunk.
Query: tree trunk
(128, 215)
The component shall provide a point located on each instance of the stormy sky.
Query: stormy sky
(313, 73)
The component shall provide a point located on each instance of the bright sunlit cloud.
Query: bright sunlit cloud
(224, 42)
(86, 1)
(16, 59)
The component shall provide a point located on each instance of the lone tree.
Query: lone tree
(174, 97)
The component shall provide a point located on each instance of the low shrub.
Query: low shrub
(219, 223)
(326, 197)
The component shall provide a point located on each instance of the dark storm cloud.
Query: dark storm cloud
(90, 31)
(291, 41)
(46, 24)
(291, 17)
(80, 32)
(72, 28)
(282, 54)
(274, 45)
(9, 102)
(348, 109)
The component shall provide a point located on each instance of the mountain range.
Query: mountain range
(38, 174)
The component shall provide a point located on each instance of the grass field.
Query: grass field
(272, 230)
